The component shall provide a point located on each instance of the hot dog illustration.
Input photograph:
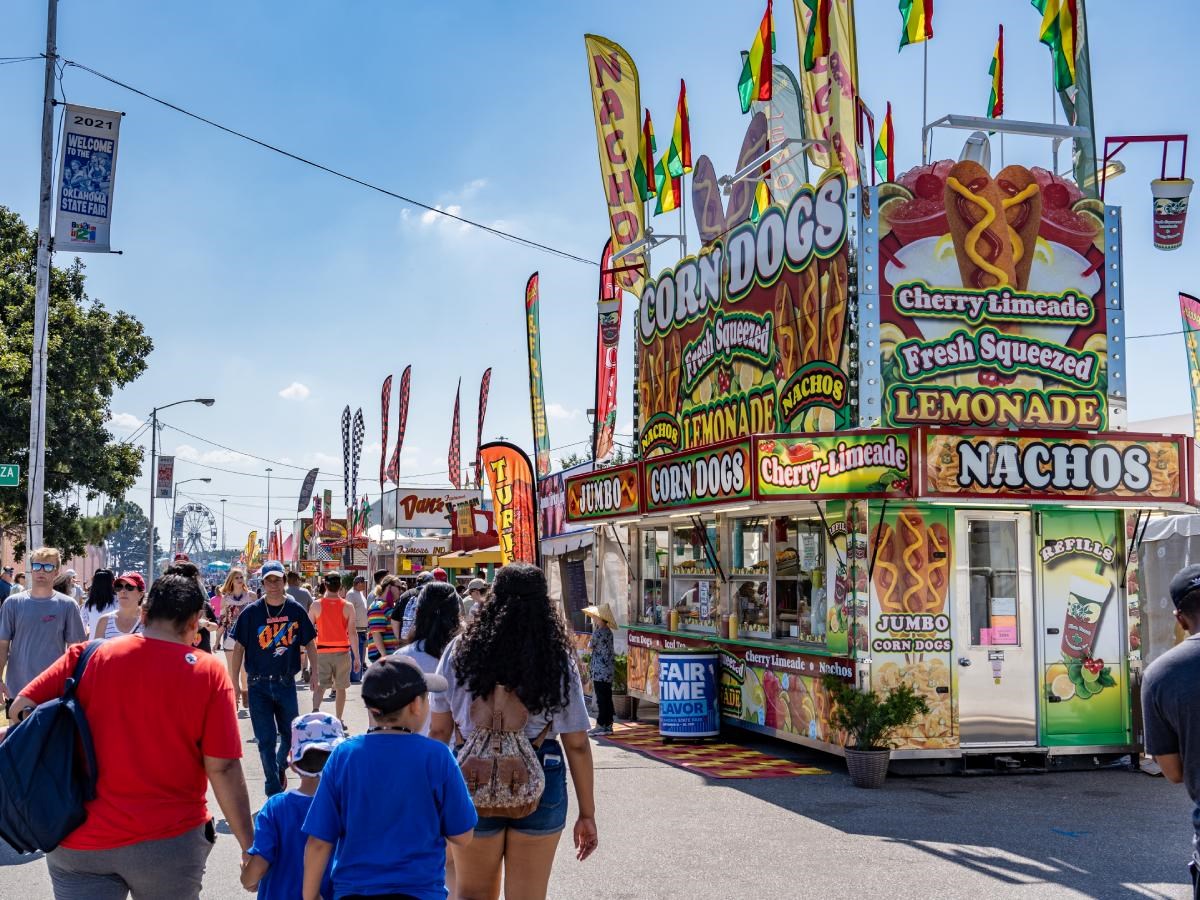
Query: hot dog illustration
(1023, 212)
(975, 212)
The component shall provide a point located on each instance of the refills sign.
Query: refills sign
(1117, 466)
(718, 474)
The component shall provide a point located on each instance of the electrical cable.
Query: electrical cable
(331, 171)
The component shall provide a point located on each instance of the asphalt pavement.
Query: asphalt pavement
(668, 833)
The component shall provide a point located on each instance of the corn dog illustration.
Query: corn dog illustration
(912, 565)
(833, 315)
(787, 344)
(1023, 212)
(673, 374)
(975, 211)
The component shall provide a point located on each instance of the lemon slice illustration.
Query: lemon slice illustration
(1063, 687)
(1043, 251)
(944, 248)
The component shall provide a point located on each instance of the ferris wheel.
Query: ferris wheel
(197, 529)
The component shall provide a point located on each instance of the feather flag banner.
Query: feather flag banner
(306, 490)
(385, 406)
(393, 469)
(454, 457)
(356, 445)
(485, 385)
(346, 453)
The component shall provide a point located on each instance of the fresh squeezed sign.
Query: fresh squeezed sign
(993, 298)
(867, 464)
(604, 494)
(750, 335)
(718, 474)
(1119, 466)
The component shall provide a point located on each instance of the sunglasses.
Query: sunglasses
(43, 567)
(124, 586)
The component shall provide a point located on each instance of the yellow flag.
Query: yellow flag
(830, 90)
(616, 102)
(251, 548)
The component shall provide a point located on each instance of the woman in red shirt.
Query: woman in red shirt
(148, 829)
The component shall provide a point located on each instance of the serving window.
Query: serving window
(653, 544)
(777, 578)
(695, 550)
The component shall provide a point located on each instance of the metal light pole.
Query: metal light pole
(175, 500)
(222, 524)
(207, 401)
(267, 533)
(36, 479)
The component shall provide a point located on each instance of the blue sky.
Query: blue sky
(255, 274)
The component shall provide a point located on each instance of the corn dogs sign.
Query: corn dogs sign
(993, 300)
(717, 474)
(749, 336)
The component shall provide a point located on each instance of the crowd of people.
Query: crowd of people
(397, 811)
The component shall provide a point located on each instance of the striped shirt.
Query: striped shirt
(378, 623)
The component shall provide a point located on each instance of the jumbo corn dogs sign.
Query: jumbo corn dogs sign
(992, 302)
(750, 335)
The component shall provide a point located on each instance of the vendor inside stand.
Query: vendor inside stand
(695, 551)
(777, 577)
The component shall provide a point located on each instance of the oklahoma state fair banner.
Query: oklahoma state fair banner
(513, 500)
(616, 101)
(1189, 308)
(537, 395)
(86, 177)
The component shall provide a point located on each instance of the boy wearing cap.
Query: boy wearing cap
(390, 799)
(276, 864)
(1171, 704)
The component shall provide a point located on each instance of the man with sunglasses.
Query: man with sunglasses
(36, 625)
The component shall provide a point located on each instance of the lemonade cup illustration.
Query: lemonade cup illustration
(1087, 599)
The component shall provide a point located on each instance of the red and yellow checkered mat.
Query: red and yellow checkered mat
(712, 759)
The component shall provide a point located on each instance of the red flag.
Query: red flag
(484, 385)
(393, 469)
(454, 458)
(385, 404)
(608, 334)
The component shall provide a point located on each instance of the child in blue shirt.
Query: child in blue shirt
(390, 799)
(276, 864)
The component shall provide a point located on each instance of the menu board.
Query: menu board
(992, 302)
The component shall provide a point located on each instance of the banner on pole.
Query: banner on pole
(86, 177)
(616, 101)
(830, 90)
(511, 478)
(165, 477)
(306, 490)
(1189, 308)
(485, 385)
(537, 397)
(385, 403)
(608, 335)
(454, 457)
(393, 469)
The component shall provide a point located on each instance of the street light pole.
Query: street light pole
(268, 531)
(207, 401)
(222, 524)
(36, 478)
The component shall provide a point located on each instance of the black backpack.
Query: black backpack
(43, 784)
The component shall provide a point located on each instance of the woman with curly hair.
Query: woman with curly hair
(519, 641)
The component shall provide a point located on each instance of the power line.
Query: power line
(508, 236)
(274, 462)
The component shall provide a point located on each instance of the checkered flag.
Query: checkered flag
(346, 453)
(324, 554)
(356, 445)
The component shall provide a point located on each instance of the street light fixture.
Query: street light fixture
(268, 533)
(206, 401)
(175, 500)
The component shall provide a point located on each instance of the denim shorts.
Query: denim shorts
(551, 815)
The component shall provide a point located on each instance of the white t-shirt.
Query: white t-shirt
(92, 616)
(426, 661)
(359, 602)
(457, 701)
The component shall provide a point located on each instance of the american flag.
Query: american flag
(323, 553)
(318, 525)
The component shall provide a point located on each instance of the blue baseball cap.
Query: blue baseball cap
(272, 568)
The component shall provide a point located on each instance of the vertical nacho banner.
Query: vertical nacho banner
(616, 101)
(830, 89)
(1189, 308)
(86, 178)
(608, 335)
(537, 397)
(513, 500)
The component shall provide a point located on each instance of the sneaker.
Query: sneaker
(243, 713)
(600, 730)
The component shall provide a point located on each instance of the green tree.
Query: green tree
(91, 352)
(127, 542)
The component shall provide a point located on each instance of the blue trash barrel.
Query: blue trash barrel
(687, 694)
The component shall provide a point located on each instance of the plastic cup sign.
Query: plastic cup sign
(687, 694)
(1170, 210)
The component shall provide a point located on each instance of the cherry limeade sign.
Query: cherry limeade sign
(859, 464)
(992, 302)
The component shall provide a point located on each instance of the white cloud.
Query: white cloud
(471, 188)
(124, 422)
(558, 411)
(215, 457)
(295, 391)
